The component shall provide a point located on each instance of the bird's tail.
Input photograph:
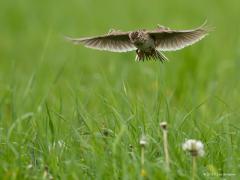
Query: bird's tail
(152, 55)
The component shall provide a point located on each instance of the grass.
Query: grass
(70, 112)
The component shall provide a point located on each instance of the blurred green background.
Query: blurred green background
(54, 93)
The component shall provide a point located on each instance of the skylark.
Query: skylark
(148, 44)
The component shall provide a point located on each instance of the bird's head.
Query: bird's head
(136, 36)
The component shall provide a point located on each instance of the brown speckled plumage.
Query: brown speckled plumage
(147, 43)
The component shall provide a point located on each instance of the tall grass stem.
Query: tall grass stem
(194, 167)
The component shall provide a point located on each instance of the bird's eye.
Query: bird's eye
(134, 35)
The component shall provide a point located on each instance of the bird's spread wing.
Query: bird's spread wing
(114, 41)
(171, 40)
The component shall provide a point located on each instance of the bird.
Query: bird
(148, 44)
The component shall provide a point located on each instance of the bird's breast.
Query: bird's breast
(145, 45)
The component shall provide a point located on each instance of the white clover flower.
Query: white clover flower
(195, 147)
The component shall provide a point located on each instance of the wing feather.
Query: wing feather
(171, 40)
(115, 42)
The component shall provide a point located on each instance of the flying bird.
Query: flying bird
(148, 44)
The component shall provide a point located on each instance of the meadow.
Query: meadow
(68, 112)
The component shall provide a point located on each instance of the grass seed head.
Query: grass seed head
(163, 125)
(143, 141)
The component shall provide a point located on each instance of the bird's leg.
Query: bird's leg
(140, 55)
